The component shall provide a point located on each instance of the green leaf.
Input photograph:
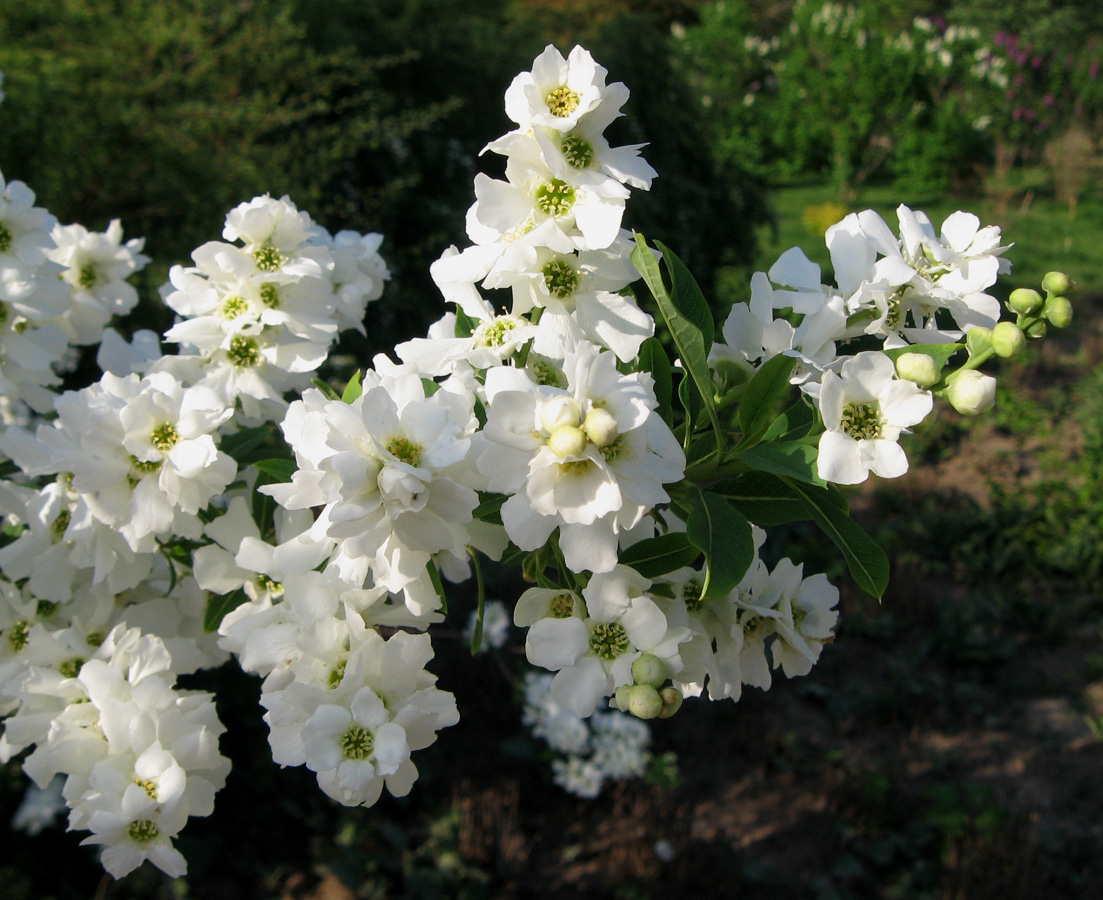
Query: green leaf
(326, 388)
(798, 422)
(868, 564)
(277, 470)
(790, 459)
(701, 449)
(653, 359)
(218, 605)
(465, 325)
(477, 631)
(760, 396)
(659, 555)
(353, 389)
(723, 534)
(489, 508)
(240, 444)
(688, 329)
(769, 500)
(763, 498)
(438, 585)
(687, 296)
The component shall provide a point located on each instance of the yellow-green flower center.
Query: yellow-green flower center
(405, 450)
(71, 667)
(357, 743)
(87, 277)
(5, 239)
(61, 524)
(561, 607)
(243, 352)
(143, 831)
(165, 437)
(862, 421)
(270, 295)
(495, 332)
(18, 635)
(268, 259)
(150, 787)
(578, 151)
(234, 306)
(608, 640)
(562, 102)
(555, 198)
(561, 278)
(691, 593)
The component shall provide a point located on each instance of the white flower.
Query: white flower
(558, 92)
(864, 410)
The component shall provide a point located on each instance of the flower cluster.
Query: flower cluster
(163, 522)
(607, 746)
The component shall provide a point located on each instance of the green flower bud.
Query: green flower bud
(1008, 339)
(978, 340)
(621, 697)
(1058, 283)
(918, 368)
(644, 701)
(1035, 331)
(1025, 301)
(600, 427)
(1059, 312)
(971, 392)
(649, 669)
(567, 440)
(672, 702)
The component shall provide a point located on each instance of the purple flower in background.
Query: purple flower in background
(1093, 71)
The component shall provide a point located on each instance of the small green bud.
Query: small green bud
(978, 340)
(971, 392)
(1059, 312)
(644, 701)
(1035, 331)
(621, 697)
(649, 669)
(918, 368)
(600, 427)
(1008, 339)
(1025, 301)
(567, 440)
(672, 702)
(1058, 283)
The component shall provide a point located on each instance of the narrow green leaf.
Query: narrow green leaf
(218, 605)
(277, 470)
(477, 631)
(701, 449)
(796, 423)
(790, 459)
(438, 585)
(660, 555)
(868, 564)
(653, 359)
(723, 534)
(689, 339)
(325, 388)
(353, 389)
(756, 409)
(687, 296)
